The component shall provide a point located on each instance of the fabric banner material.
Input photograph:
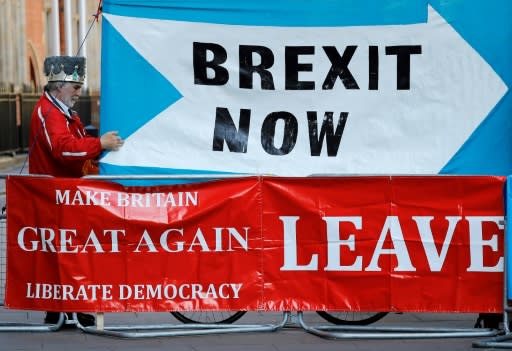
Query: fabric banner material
(258, 243)
(295, 88)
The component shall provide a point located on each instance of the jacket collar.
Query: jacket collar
(59, 104)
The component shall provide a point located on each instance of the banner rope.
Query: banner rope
(96, 19)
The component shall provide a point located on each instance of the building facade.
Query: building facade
(30, 30)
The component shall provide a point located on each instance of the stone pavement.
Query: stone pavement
(11, 162)
(289, 338)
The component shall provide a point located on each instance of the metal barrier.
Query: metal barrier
(326, 331)
(502, 341)
(395, 332)
(155, 330)
(15, 326)
(398, 332)
(142, 331)
(134, 331)
(403, 332)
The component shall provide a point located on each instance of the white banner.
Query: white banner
(307, 100)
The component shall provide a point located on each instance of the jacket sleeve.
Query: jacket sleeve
(64, 142)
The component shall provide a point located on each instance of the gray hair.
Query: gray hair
(54, 86)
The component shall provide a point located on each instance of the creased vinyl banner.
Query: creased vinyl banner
(299, 87)
(341, 243)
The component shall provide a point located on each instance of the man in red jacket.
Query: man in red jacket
(59, 144)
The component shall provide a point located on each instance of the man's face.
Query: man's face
(69, 93)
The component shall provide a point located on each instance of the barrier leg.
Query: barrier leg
(500, 342)
(398, 332)
(100, 321)
(6, 326)
(157, 330)
(32, 327)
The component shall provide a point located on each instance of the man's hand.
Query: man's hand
(111, 141)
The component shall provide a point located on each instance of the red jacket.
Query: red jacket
(59, 145)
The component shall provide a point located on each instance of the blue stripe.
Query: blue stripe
(292, 13)
(133, 92)
(106, 168)
(485, 25)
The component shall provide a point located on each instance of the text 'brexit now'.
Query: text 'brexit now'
(211, 68)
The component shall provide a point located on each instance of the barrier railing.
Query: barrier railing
(158, 330)
(503, 341)
(124, 331)
(391, 332)
(6, 326)
(135, 331)
(154, 330)
(127, 331)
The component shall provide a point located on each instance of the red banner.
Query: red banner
(346, 243)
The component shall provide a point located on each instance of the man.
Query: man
(59, 144)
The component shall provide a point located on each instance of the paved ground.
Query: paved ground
(289, 338)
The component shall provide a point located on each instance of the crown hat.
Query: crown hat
(65, 69)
